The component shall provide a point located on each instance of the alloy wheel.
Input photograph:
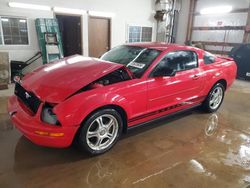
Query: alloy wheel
(102, 132)
(216, 98)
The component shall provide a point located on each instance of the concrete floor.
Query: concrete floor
(191, 150)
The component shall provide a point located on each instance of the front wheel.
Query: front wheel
(100, 131)
(214, 98)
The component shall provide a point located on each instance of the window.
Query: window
(139, 34)
(146, 34)
(137, 59)
(14, 31)
(208, 58)
(179, 61)
(141, 63)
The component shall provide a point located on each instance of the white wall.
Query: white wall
(139, 12)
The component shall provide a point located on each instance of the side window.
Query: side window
(139, 34)
(14, 31)
(208, 58)
(179, 61)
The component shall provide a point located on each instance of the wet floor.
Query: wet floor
(190, 150)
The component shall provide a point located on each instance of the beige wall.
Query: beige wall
(137, 12)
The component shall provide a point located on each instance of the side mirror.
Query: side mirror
(164, 71)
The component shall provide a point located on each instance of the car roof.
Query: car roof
(162, 46)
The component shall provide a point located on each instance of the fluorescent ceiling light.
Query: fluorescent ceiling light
(4, 19)
(22, 21)
(216, 10)
(29, 6)
(68, 10)
(101, 14)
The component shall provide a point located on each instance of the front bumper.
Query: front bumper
(30, 126)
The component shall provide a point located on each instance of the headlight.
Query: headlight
(48, 116)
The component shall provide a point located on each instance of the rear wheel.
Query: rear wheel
(100, 132)
(214, 98)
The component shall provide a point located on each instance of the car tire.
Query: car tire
(100, 131)
(214, 99)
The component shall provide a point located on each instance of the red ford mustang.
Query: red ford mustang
(93, 101)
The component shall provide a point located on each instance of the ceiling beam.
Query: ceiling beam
(220, 28)
(210, 43)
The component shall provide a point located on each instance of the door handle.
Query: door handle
(195, 77)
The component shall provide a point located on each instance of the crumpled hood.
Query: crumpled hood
(56, 81)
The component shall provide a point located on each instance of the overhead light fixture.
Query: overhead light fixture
(216, 10)
(101, 14)
(68, 10)
(29, 6)
(4, 19)
(22, 21)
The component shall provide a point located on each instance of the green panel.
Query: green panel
(44, 25)
(53, 57)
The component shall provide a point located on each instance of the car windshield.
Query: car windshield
(137, 59)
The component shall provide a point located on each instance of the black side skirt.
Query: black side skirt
(163, 117)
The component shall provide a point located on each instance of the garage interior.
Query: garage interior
(192, 149)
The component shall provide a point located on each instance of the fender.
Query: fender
(216, 74)
(74, 110)
(214, 80)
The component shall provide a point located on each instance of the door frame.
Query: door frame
(110, 28)
(81, 26)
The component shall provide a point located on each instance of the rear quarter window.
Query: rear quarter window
(208, 58)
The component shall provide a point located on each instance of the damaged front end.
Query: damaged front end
(119, 75)
(48, 116)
